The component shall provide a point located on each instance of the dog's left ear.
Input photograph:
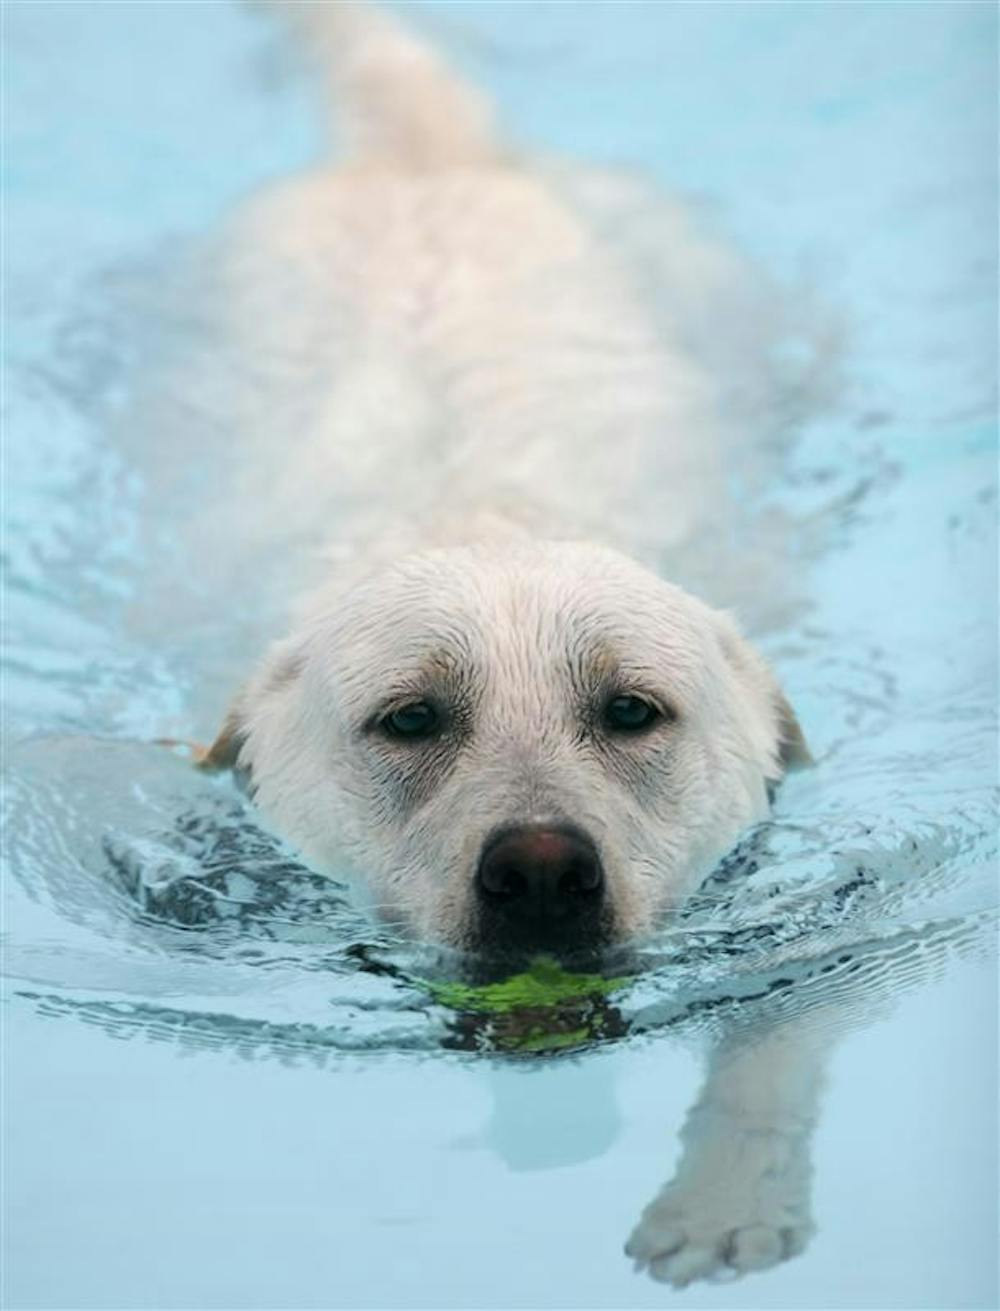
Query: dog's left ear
(224, 751)
(755, 673)
(278, 673)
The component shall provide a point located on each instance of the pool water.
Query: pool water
(224, 1086)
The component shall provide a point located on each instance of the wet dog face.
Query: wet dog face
(543, 747)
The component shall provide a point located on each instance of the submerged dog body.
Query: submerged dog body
(493, 713)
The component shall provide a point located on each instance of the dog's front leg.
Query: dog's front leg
(740, 1199)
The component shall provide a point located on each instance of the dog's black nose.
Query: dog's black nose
(540, 884)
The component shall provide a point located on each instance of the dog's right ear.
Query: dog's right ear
(794, 750)
(758, 678)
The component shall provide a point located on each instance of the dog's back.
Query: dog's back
(487, 351)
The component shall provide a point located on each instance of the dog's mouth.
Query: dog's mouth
(491, 954)
(542, 1008)
(486, 961)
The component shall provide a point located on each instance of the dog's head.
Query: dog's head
(540, 748)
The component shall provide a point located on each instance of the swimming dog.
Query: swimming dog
(494, 713)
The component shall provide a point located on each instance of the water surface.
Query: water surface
(226, 1088)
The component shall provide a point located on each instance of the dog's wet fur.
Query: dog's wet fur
(494, 716)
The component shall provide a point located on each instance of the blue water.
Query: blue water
(215, 1099)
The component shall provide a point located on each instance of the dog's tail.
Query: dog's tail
(390, 95)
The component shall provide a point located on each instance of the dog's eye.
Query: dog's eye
(416, 720)
(630, 714)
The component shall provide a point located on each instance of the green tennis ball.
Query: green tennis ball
(544, 985)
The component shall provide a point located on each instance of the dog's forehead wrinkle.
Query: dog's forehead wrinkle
(530, 647)
(438, 668)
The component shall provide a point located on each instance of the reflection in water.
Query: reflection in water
(562, 1117)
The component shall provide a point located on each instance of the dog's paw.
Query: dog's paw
(680, 1252)
(725, 1224)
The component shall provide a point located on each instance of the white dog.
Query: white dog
(509, 730)
(493, 713)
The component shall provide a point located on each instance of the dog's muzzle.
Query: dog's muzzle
(540, 887)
